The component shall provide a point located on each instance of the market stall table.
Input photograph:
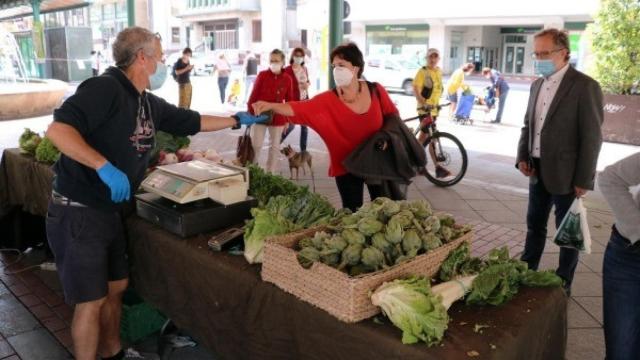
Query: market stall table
(223, 302)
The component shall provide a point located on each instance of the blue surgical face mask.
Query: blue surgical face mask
(545, 68)
(157, 79)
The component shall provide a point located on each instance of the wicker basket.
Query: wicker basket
(332, 290)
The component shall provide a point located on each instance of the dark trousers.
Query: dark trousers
(501, 103)
(304, 135)
(540, 203)
(621, 291)
(351, 189)
(222, 87)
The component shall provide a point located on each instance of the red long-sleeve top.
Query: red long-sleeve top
(341, 129)
(272, 87)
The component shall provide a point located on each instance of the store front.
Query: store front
(410, 40)
(517, 45)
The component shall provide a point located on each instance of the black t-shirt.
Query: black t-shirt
(184, 77)
(252, 66)
(120, 123)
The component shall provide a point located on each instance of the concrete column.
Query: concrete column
(439, 39)
(273, 25)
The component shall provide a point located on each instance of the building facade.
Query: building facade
(494, 33)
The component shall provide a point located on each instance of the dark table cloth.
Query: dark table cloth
(222, 301)
(24, 183)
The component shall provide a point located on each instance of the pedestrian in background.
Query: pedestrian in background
(455, 83)
(300, 75)
(273, 86)
(182, 70)
(250, 74)
(224, 70)
(500, 88)
(621, 269)
(95, 63)
(559, 144)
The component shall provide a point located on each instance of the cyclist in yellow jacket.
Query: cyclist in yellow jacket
(427, 87)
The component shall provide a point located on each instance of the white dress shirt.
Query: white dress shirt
(545, 97)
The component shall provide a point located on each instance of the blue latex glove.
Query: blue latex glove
(116, 180)
(247, 119)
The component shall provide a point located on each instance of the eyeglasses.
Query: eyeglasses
(544, 54)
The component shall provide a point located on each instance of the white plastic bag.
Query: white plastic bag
(573, 231)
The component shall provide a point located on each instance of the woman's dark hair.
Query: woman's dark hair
(296, 50)
(349, 52)
(279, 53)
(187, 51)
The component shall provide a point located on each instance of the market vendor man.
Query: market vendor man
(105, 132)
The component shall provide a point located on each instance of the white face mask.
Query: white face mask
(275, 67)
(342, 76)
(298, 59)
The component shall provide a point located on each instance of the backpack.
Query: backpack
(173, 71)
(427, 89)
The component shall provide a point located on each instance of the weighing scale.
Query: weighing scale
(196, 196)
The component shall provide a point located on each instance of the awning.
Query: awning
(19, 8)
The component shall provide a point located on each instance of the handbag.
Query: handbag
(244, 151)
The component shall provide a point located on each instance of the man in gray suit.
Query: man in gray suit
(559, 144)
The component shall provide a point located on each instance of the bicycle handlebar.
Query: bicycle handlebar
(428, 107)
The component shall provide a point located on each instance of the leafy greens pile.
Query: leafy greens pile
(284, 207)
(29, 141)
(499, 276)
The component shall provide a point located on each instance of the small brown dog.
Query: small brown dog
(297, 160)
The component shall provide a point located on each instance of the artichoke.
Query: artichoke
(379, 241)
(373, 258)
(420, 208)
(319, 238)
(306, 242)
(431, 224)
(307, 256)
(446, 233)
(352, 236)
(29, 141)
(369, 226)
(447, 220)
(411, 243)
(393, 232)
(404, 218)
(350, 220)
(351, 256)
(330, 257)
(337, 243)
(431, 241)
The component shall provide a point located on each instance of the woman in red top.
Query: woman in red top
(344, 118)
(273, 86)
(298, 72)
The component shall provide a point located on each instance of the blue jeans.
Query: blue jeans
(304, 135)
(540, 202)
(621, 291)
(501, 103)
(222, 87)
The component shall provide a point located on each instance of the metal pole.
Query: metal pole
(38, 27)
(336, 15)
(131, 12)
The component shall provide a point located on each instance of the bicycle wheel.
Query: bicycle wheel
(446, 159)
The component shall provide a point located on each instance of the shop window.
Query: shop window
(256, 26)
(515, 39)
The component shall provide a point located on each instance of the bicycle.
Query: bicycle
(445, 150)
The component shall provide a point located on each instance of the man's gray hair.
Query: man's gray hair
(128, 42)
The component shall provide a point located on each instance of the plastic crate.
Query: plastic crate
(139, 319)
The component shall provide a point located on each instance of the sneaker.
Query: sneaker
(442, 172)
(130, 353)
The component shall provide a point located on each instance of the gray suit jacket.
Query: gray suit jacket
(571, 136)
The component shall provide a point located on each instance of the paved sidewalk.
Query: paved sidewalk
(34, 322)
